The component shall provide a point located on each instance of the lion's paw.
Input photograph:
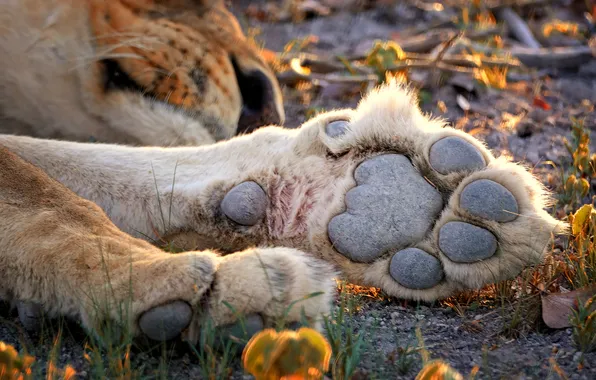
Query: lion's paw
(268, 287)
(434, 211)
(399, 201)
(236, 295)
(274, 283)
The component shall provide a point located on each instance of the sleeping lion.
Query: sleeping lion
(126, 125)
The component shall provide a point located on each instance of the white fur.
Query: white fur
(305, 174)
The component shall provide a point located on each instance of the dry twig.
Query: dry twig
(518, 27)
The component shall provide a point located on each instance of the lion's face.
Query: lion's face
(183, 60)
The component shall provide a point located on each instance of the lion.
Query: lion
(168, 91)
(136, 72)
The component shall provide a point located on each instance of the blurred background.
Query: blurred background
(516, 74)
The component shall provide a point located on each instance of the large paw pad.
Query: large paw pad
(466, 243)
(391, 207)
(500, 206)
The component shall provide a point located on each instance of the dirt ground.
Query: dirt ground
(509, 121)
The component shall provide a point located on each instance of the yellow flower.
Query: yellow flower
(288, 355)
(438, 370)
(12, 365)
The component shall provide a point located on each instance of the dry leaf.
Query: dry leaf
(558, 307)
(540, 102)
(580, 217)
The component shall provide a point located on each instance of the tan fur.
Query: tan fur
(305, 174)
(61, 251)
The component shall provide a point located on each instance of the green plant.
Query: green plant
(383, 57)
(215, 355)
(581, 256)
(109, 345)
(53, 372)
(577, 178)
(435, 369)
(13, 365)
(583, 321)
(403, 358)
(520, 304)
(347, 345)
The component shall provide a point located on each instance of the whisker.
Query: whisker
(89, 60)
(121, 34)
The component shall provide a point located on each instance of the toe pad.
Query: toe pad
(242, 332)
(489, 200)
(167, 321)
(336, 128)
(245, 204)
(415, 269)
(451, 154)
(30, 315)
(466, 243)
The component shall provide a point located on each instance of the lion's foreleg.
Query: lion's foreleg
(60, 251)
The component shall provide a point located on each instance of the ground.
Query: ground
(468, 331)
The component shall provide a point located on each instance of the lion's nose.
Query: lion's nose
(259, 106)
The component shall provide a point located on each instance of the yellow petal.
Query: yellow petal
(319, 343)
(254, 356)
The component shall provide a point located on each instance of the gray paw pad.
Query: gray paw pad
(466, 243)
(245, 204)
(336, 128)
(166, 322)
(391, 207)
(241, 331)
(30, 315)
(416, 269)
(452, 154)
(489, 200)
